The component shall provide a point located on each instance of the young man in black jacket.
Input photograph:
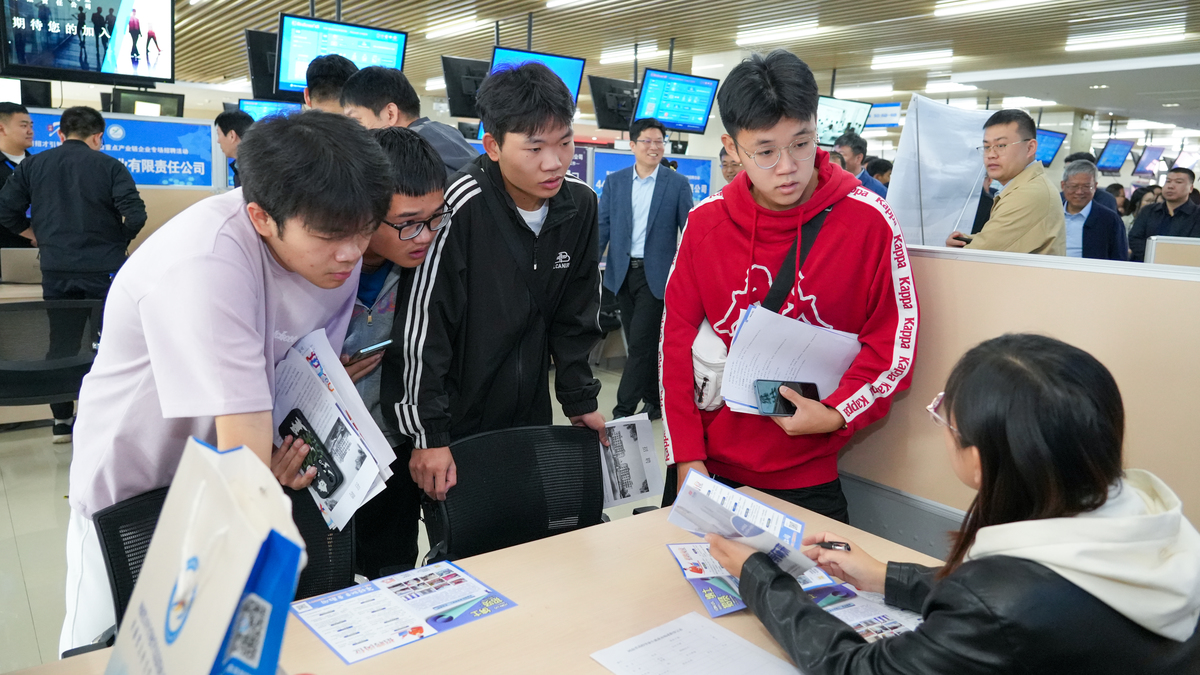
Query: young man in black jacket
(86, 211)
(510, 284)
(16, 137)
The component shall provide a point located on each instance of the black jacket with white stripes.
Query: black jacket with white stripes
(472, 350)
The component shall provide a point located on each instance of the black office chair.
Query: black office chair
(46, 348)
(515, 486)
(330, 552)
(125, 530)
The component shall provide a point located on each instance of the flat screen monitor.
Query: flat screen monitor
(261, 56)
(1186, 160)
(568, 68)
(681, 102)
(1112, 157)
(463, 77)
(1048, 145)
(836, 116)
(36, 94)
(1148, 160)
(615, 102)
(260, 109)
(302, 39)
(147, 103)
(132, 42)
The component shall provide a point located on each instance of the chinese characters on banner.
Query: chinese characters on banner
(177, 154)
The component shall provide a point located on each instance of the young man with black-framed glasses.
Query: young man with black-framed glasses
(855, 278)
(386, 526)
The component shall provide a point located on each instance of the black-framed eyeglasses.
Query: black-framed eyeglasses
(411, 229)
(800, 150)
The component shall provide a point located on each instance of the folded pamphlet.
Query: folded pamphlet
(631, 472)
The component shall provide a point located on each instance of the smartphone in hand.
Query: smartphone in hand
(771, 402)
(368, 351)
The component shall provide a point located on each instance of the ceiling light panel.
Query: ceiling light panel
(959, 7)
(1157, 35)
(776, 34)
(912, 59)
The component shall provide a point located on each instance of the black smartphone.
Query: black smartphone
(771, 402)
(367, 351)
(329, 477)
(964, 238)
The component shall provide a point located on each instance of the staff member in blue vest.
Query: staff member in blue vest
(642, 211)
(1093, 230)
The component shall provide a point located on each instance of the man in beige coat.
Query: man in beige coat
(1027, 214)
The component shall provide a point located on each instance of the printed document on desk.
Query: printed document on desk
(694, 645)
(630, 462)
(769, 346)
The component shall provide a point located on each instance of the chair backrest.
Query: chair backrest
(125, 530)
(46, 348)
(515, 486)
(330, 552)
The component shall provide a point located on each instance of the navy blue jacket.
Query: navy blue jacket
(669, 209)
(1104, 235)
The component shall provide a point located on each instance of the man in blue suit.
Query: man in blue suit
(642, 211)
(1093, 230)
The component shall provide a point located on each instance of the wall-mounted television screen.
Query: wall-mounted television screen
(1049, 143)
(681, 102)
(260, 109)
(1112, 157)
(1148, 160)
(128, 42)
(836, 116)
(568, 68)
(302, 39)
(147, 103)
(615, 102)
(261, 56)
(463, 77)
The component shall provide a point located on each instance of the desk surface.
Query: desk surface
(577, 593)
(20, 292)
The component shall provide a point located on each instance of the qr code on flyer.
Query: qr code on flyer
(249, 630)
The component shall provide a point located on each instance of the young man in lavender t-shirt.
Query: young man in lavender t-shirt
(201, 313)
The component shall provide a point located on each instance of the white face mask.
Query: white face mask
(996, 185)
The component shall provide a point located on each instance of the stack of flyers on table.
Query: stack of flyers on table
(705, 506)
(718, 589)
(631, 470)
(378, 616)
(316, 401)
(872, 619)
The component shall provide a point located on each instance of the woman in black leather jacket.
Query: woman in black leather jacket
(1063, 564)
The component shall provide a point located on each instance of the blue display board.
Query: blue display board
(302, 39)
(1112, 157)
(680, 102)
(1049, 143)
(1149, 157)
(260, 109)
(884, 115)
(568, 68)
(177, 154)
(698, 171)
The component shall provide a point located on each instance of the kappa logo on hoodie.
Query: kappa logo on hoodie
(758, 282)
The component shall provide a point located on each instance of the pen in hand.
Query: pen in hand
(834, 545)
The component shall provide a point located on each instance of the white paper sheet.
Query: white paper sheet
(768, 346)
(631, 470)
(694, 645)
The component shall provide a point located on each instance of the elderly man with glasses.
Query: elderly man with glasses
(1093, 230)
(1027, 216)
(643, 208)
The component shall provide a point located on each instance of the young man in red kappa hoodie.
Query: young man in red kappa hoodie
(856, 278)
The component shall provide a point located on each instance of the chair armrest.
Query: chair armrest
(106, 640)
(644, 509)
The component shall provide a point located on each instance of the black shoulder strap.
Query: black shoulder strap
(498, 207)
(786, 278)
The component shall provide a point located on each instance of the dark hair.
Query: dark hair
(638, 126)
(1024, 122)
(1076, 156)
(374, 87)
(878, 167)
(762, 90)
(836, 158)
(81, 122)
(523, 99)
(320, 167)
(237, 121)
(1114, 189)
(326, 75)
(856, 143)
(1134, 202)
(417, 168)
(723, 154)
(7, 110)
(1048, 422)
(1188, 172)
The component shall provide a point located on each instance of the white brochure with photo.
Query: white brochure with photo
(631, 470)
(316, 401)
(705, 506)
(769, 346)
(872, 619)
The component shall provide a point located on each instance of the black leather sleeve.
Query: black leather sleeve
(960, 635)
(907, 585)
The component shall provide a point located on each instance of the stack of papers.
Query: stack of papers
(718, 589)
(769, 346)
(694, 645)
(631, 470)
(316, 400)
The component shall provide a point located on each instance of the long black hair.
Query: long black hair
(1048, 422)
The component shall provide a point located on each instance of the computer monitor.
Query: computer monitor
(1048, 145)
(57, 40)
(569, 69)
(260, 53)
(1112, 157)
(147, 103)
(615, 102)
(681, 102)
(836, 116)
(468, 130)
(1186, 160)
(1146, 163)
(463, 77)
(303, 38)
(36, 94)
(260, 109)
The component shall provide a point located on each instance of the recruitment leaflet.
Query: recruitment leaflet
(718, 589)
(381, 615)
(630, 462)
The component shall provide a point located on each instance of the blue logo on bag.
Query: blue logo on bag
(178, 609)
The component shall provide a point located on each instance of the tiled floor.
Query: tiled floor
(33, 530)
